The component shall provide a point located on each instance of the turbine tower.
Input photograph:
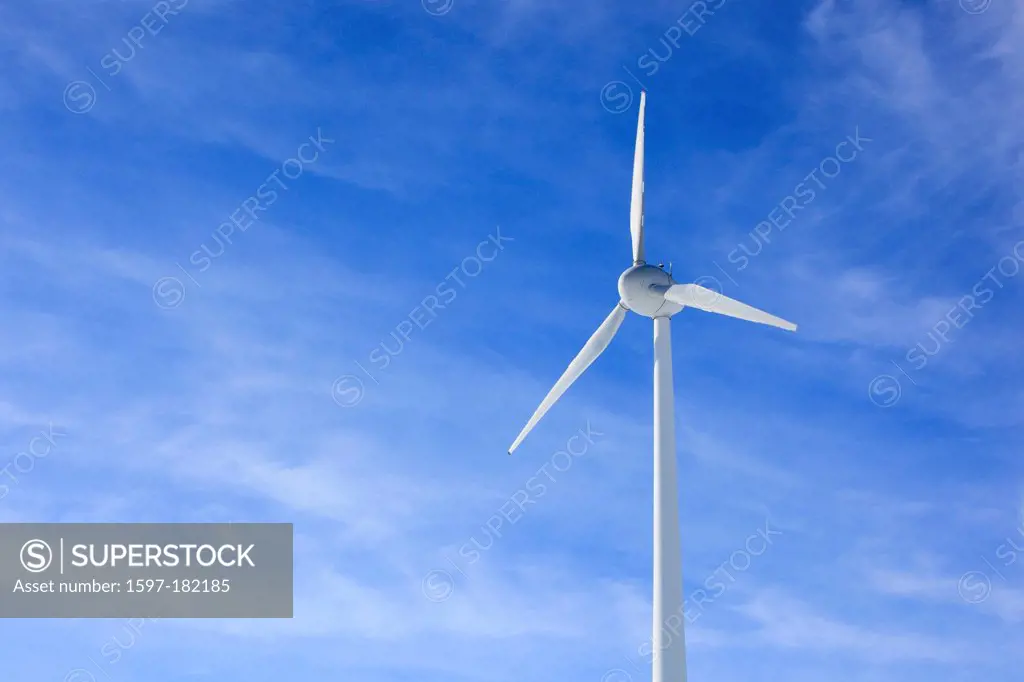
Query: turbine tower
(651, 292)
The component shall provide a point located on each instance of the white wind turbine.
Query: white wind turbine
(650, 291)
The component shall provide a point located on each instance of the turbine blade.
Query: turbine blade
(593, 348)
(695, 296)
(636, 202)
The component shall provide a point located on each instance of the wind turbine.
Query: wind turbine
(651, 292)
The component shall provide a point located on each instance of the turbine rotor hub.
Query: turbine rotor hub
(637, 295)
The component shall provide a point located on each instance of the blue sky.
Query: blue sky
(877, 449)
